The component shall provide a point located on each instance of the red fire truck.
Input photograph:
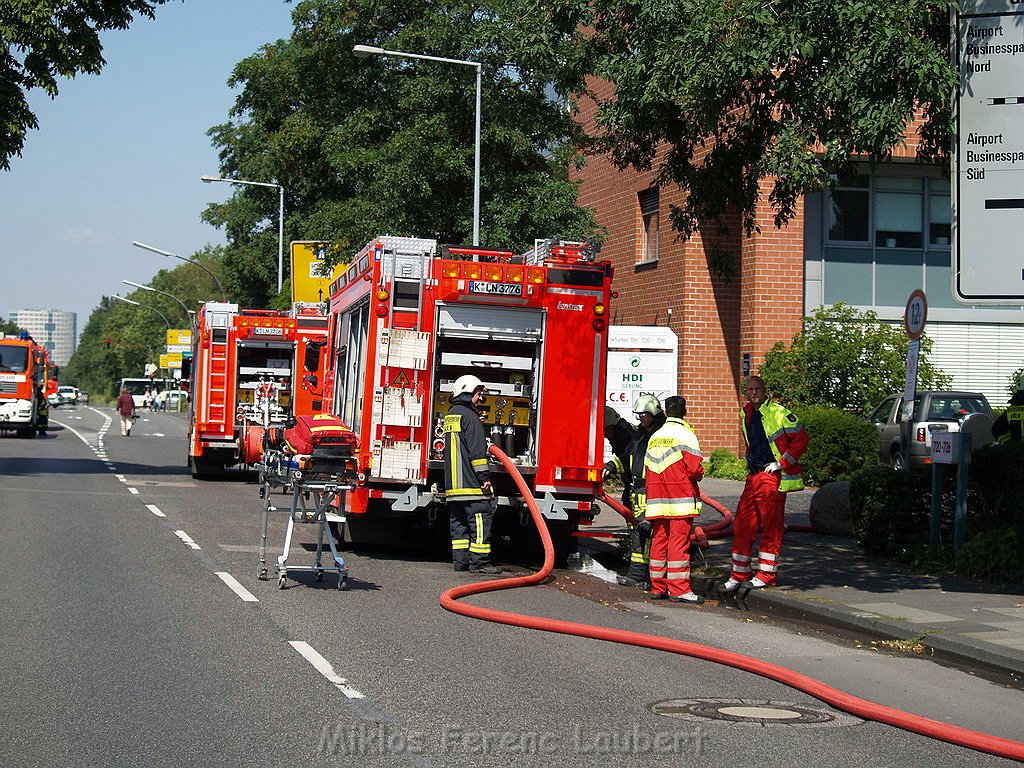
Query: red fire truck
(407, 319)
(24, 378)
(248, 372)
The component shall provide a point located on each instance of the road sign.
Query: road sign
(916, 314)
(308, 281)
(179, 337)
(170, 361)
(988, 165)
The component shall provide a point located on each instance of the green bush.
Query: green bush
(726, 465)
(891, 514)
(994, 554)
(839, 445)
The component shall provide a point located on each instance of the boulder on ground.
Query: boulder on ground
(830, 510)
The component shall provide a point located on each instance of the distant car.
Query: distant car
(69, 394)
(176, 399)
(932, 411)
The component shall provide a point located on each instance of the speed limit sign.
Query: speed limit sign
(916, 314)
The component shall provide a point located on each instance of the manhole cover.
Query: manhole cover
(752, 712)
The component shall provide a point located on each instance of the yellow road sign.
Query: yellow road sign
(308, 283)
(179, 337)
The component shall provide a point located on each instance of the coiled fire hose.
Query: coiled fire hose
(862, 708)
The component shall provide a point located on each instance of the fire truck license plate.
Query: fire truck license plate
(500, 289)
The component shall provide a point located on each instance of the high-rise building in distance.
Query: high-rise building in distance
(54, 329)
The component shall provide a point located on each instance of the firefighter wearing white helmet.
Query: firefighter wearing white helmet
(467, 480)
(648, 410)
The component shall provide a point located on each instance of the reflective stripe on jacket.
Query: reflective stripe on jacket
(465, 453)
(673, 467)
(787, 438)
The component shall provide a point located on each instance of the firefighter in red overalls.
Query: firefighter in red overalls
(775, 441)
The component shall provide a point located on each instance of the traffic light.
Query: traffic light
(108, 343)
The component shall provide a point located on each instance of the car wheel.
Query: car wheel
(897, 461)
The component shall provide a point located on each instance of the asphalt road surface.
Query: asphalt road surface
(133, 631)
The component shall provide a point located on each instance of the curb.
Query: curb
(981, 655)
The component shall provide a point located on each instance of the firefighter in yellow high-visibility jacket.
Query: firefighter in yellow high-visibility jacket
(673, 470)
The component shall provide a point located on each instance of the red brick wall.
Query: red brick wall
(717, 317)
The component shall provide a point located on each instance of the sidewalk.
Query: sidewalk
(826, 580)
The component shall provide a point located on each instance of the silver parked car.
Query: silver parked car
(932, 411)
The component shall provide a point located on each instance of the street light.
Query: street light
(362, 51)
(188, 312)
(145, 306)
(280, 217)
(223, 296)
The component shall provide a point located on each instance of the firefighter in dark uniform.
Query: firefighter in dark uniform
(619, 433)
(631, 467)
(467, 481)
(1010, 424)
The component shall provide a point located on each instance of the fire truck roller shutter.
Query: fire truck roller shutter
(489, 322)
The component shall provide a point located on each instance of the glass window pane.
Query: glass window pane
(939, 217)
(939, 186)
(848, 276)
(897, 273)
(848, 216)
(898, 220)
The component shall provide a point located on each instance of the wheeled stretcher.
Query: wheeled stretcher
(315, 485)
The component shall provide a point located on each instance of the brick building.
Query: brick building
(868, 243)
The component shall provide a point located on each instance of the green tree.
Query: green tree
(386, 145)
(719, 95)
(845, 359)
(9, 328)
(41, 41)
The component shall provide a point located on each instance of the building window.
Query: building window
(649, 225)
(886, 236)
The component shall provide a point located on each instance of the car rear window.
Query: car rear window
(954, 408)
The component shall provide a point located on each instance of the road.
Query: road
(134, 632)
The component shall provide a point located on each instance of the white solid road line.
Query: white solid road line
(237, 588)
(323, 666)
(134, 491)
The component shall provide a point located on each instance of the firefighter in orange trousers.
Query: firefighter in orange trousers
(631, 466)
(673, 469)
(467, 481)
(775, 441)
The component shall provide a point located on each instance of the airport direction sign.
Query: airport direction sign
(988, 164)
(309, 283)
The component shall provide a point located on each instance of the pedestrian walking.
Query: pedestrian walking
(126, 409)
(467, 480)
(674, 469)
(775, 441)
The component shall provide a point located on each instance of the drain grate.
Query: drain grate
(758, 712)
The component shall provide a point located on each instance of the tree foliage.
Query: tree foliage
(9, 328)
(385, 145)
(41, 41)
(845, 359)
(138, 335)
(718, 95)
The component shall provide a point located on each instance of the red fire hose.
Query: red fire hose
(862, 708)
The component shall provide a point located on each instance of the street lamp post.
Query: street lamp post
(223, 296)
(188, 312)
(362, 51)
(280, 217)
(145, 306)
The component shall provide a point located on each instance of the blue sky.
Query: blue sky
(118, 156)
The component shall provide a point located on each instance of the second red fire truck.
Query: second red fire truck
(408, 318)
(248, 372)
